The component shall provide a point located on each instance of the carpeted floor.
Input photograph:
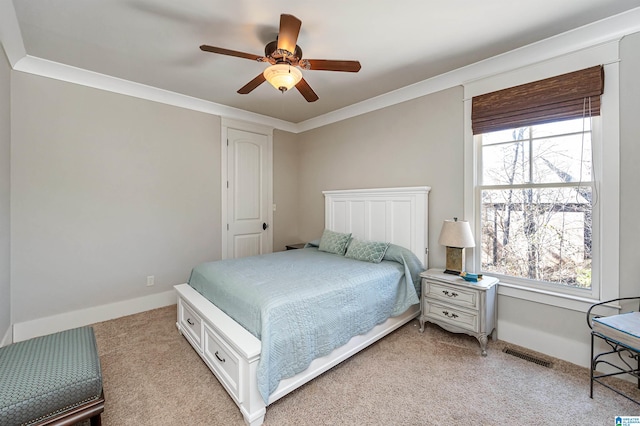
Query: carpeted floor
(152, 376)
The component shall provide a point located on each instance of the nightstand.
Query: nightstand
(295, 246)
(459, 306)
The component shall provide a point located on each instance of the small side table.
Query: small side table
(460, 306)
(295, 246)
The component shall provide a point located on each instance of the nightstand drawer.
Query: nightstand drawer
(449, 315)
(452, 294)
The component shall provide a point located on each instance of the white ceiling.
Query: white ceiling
(398, 43)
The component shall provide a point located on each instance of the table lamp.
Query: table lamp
(456, 235)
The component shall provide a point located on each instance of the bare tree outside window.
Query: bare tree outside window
(536, 202)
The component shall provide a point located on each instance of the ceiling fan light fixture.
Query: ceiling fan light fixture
(283, 76)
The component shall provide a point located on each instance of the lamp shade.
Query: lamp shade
(282, 76)
(456, 233)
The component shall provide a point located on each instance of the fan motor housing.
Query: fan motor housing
(275, 55)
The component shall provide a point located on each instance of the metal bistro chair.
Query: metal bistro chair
(622, 334)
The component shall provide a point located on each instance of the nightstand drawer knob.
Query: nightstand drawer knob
(448, 315)
(452, 294)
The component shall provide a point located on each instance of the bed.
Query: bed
(236, 355)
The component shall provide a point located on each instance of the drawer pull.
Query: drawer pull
(452, 294)
(190, 322)
(448, 315)
(218, 356)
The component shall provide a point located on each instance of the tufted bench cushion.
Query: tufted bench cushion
(46, 377)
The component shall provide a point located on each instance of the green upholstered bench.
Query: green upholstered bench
(51, 380)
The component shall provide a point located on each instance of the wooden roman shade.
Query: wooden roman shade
(562, 97)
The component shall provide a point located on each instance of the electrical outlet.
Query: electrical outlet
(150, 280)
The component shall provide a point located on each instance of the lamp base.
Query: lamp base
(455, 260)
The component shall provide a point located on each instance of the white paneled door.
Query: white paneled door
(248, 203)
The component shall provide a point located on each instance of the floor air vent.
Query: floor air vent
(527, 357)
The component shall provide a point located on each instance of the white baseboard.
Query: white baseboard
(574, 351)
(68, 320)
(7, 338)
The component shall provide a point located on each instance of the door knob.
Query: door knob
(265, 226)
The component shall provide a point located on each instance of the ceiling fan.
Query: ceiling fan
(285, 57)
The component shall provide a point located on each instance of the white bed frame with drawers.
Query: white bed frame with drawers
(397, 215)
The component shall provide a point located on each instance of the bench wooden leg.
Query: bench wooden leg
(96, 420)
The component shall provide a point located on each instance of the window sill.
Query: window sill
(566, 301)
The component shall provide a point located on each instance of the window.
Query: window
(536, 192)
(538, 198)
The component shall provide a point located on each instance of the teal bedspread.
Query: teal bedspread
(304, 303)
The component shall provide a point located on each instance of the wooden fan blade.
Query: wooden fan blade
(228, 52)
(288, 33)
(247, 88)
(306, 91)
(329, 65)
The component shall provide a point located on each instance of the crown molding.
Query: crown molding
(599, 32)
(58, 71)
(606, 30)
(10, 35)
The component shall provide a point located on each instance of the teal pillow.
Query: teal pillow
(368, 251)
(334, 242)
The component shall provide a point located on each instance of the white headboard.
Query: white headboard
(396, 215)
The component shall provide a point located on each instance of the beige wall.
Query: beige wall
(5, 169)
(560, 328)
(285, 189)
(418, 142)
(106, 190)
(629, 161)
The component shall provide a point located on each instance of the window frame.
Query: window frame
(605, 276)
(592, 293)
